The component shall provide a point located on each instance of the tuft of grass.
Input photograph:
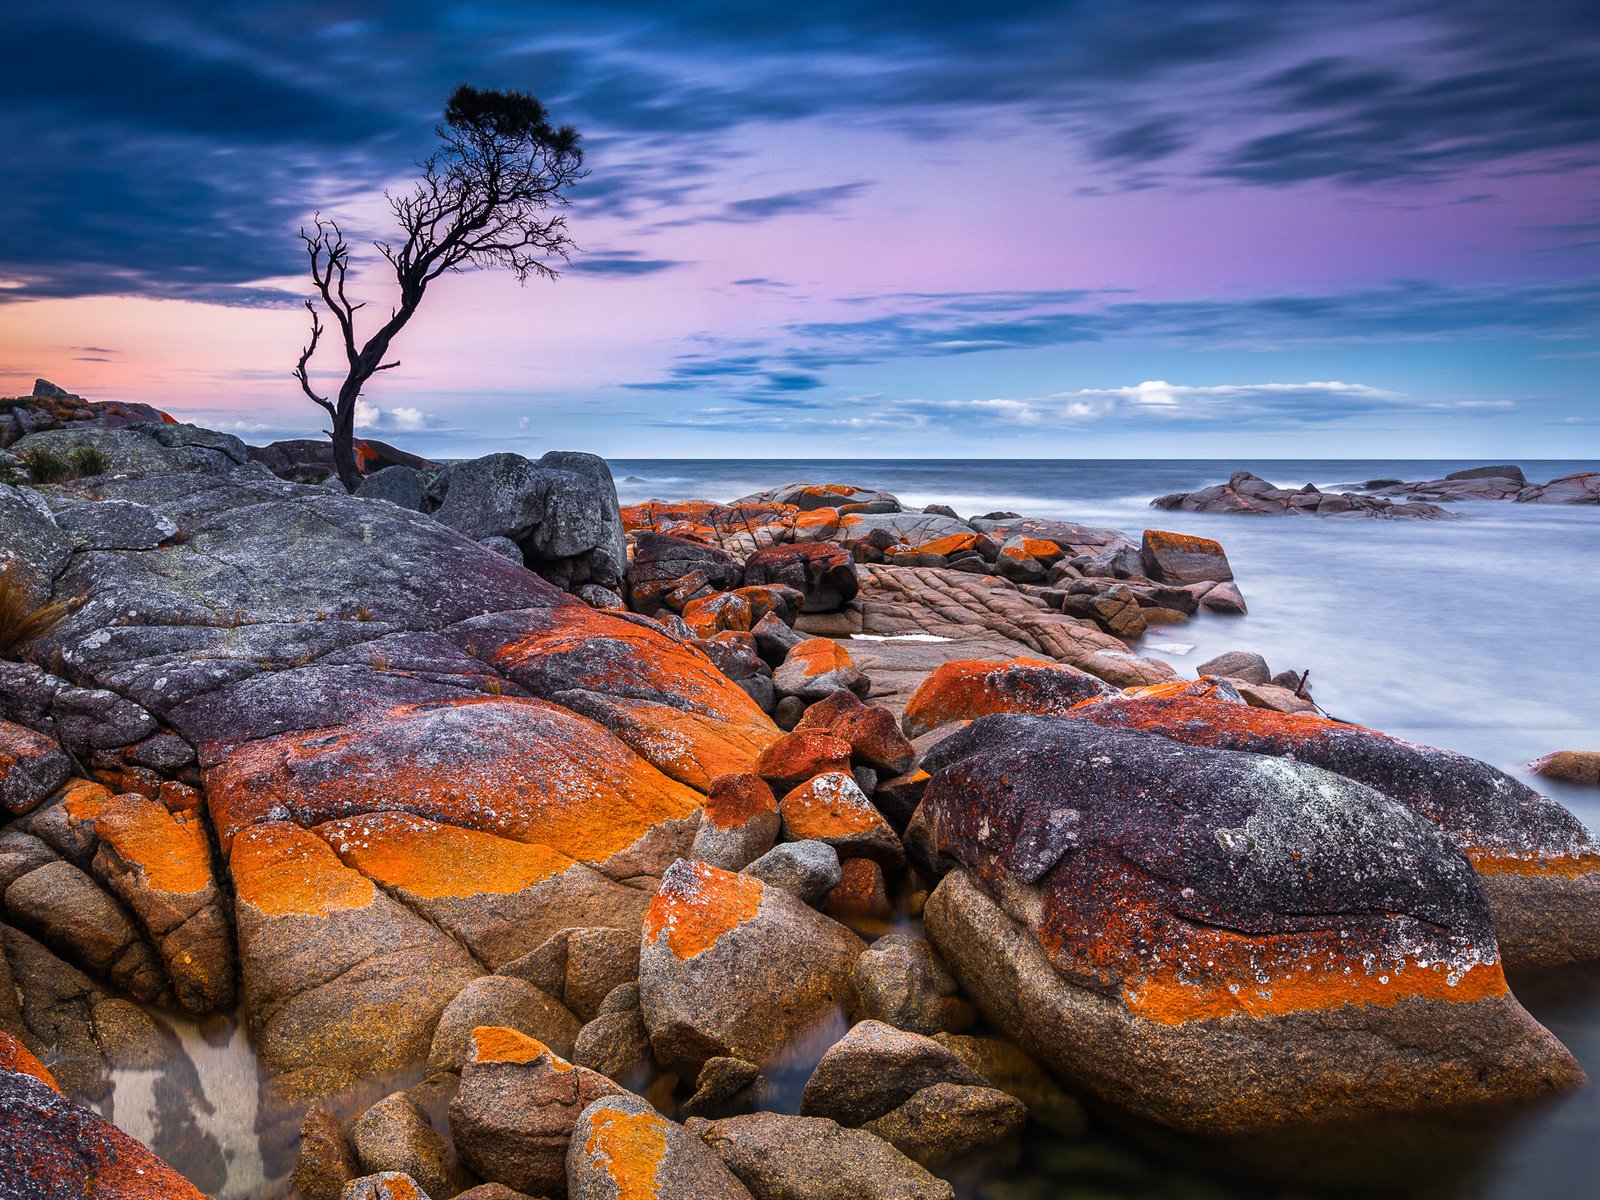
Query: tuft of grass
(21, 620)
(89, 460)
(494, 687)
(363, 613)
(44, 466)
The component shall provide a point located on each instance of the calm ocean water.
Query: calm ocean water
(1481, 635)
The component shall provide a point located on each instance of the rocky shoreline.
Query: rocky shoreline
(543, 843)
(1247, 493)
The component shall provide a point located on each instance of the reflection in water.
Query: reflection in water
(1477, 635)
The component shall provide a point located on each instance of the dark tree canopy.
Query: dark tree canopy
(491, 196)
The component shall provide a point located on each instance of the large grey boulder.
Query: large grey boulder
(399, 484)
(562, 511)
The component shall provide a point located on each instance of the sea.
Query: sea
(1481, 635)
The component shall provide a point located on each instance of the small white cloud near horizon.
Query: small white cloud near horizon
(404, 420)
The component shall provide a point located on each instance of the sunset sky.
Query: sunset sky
(905, 228)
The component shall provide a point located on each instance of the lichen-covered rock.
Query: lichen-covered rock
(622, 1149)
(32, 766)
(1540, 868)
(1223, 942)
(661, 562)
(823, 573)
(505, 1002)
(802, 755)
(832, 809)
(811, 1158)
(1183, 558)
(158, 863)
(514, 1115)
(815, 669)
(51, 1146)
(876, 1068)
(739, 823)
(860, 900)
(731, 967)
(336, 973)
(966, 689)
(386, 1185)
(811, 497)
(739, 528)
(874, 738)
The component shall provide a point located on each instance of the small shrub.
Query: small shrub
(44, 466)
(89, 460)
(21, 620)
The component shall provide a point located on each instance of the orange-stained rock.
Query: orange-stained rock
(737, 528)
(966, 689)
(875, 739)
(53, 1147)
(729, 967)
(1219, 941)
(861, 899)
(18, 1059)
(500, 898)
(822, 573)
(1541, 867)
(512, 766)
(815, 669)
(716, 613)
(514, 1113)
(950, 545)
(740, 822)
(594, 662)
(796, 757)
(832, 809)
(622, 1149)
(159, 864)
(31, 767)
(696, 904)
(1569, 766)
(1183, 558)
(336, 974)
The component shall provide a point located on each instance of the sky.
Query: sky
(898, 228)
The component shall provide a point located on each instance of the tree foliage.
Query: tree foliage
(491, 195)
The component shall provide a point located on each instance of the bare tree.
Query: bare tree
(490, 196)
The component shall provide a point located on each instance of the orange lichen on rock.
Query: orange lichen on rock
(829, 806)
(434, 861)
(819, 655)
(512, 766)
(797, 756)
(612, 655)
(950, 544)
(171, 849)
(689, 747)
(722, 611)
(1042, 548)
(83, 800)
(282, 870)
(1170, 1000)
(629, 1148)
(737, 798)
(698, 903)
(966, 689)
(1566, 866)
(1206, 686)
(18, 1059)
(497, 1044)
(817, 524)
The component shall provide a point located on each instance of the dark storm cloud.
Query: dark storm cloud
(171, 149)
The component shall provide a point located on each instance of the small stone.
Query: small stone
(874, 1069)
(325, 1162)
(807, 870)
(946, 1122)
(1240, 665)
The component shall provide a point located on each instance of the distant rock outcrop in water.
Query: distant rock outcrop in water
(1247, 493)
(1498, 483)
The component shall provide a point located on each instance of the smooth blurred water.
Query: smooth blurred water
(1481, 635)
